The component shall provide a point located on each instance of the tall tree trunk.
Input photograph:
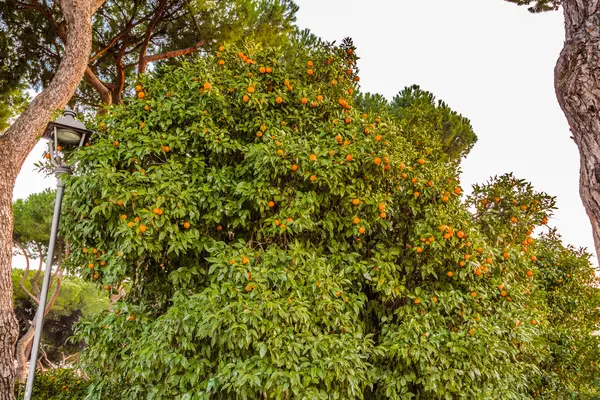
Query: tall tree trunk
(9, 328)
(15, 145)
(577, 85)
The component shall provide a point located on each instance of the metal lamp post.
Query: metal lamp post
(64, 132)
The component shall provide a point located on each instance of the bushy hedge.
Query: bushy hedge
(281, 244)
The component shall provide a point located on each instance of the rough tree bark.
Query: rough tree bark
(15, 145)
(577, 85)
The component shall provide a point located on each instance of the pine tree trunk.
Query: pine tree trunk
(9, 328)
(577, 85)
(15, 145)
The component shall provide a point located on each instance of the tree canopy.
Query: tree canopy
(33, 221)
(128, 35)
(421, 117)
(281, 243)
(536, 6)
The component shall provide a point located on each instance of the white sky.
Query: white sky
(489, 60)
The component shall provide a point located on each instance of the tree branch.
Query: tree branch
(160, 8)
(26, 273)
(38, 273)
(98, 85)
(173, 53)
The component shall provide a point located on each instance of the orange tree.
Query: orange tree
(279, 243)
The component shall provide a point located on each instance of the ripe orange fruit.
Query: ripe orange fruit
(186, 225)
(271, 204)
(377, 160)
(355, 202)
(506, 256)
(250, 89)
(356, 220)
(131, 317)
(361, 230)
(310, 72)
(141, 95)
(259, 134)
(488, 260)
(417, 301)
(207, 86)
(381, 206)
(143, 228)
(246, 98)
(123, 217)
(503, 293)
(530, 273)
(347, 120)
(513, 220)
(457, 190)
(278, 100)
(313, 178)
(500, 287)
(421, 161)
(116, 143)
(91, 266)
(419, 249)
(146, 107)
(349, 157)
(462, 263)
(304, 100)
(460, 234)
(533, 322)
(313, 157)
(450, 274)
(416, 194)
(383, 215)
(138, 88)
(221, 48)
(294, 167)
(473, 294)
(309, 63)
(445, 199)
(478, 271)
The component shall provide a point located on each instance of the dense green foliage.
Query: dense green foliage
(13, 98)
(33, 221)
(425, 122)
(279, 243)
(58, 384)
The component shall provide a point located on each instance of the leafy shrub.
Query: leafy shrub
(279, 243)
(57, 384)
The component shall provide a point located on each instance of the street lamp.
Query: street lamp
(63, 133)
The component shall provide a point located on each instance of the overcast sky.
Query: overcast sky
(489, 60)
